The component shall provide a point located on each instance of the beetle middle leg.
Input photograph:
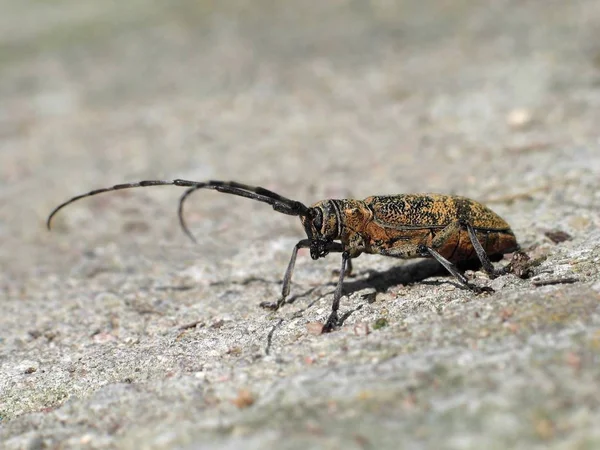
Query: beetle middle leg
(349, 270)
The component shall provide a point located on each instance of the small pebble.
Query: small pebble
(519, 118)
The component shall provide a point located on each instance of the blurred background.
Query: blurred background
(312, 99)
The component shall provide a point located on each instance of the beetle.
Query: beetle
(448, 228)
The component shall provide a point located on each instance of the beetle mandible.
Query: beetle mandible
(448, 228)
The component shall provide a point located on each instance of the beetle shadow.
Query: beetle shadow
(381, 281)
(404, 274)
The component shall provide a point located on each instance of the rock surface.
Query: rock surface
(117, 332)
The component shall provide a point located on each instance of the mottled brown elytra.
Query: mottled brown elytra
(449, 228)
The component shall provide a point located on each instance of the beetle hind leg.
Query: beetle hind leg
(451, 236)
(428, 251)
(448, 233)
(485, 260)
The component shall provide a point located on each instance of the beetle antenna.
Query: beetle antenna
(278, 202)
(282, 204)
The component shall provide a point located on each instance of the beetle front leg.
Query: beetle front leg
(287, 278)
(332, 321)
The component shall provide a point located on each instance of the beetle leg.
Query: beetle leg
(287, 278)
(348, 270)
(486, 264)
(455, 228)
(424, 250)
(428, 251)
(483, 257)
(332, 320)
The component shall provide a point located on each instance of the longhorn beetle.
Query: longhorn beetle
(448, 228)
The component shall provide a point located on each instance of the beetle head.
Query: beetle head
(321, 227)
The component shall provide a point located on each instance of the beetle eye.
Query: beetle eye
(318, 220)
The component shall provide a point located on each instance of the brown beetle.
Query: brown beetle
(450, 229)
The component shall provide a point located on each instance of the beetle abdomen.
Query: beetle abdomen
(459, 247)
(412, 219)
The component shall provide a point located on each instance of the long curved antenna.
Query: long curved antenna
(278, 202)
(182, 223)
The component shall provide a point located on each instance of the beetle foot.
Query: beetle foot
(477, 289)
(273, 306)
(331, 324)
(482, 289)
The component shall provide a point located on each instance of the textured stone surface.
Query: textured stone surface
(117, 332)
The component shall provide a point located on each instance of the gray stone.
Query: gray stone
(117, 332)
